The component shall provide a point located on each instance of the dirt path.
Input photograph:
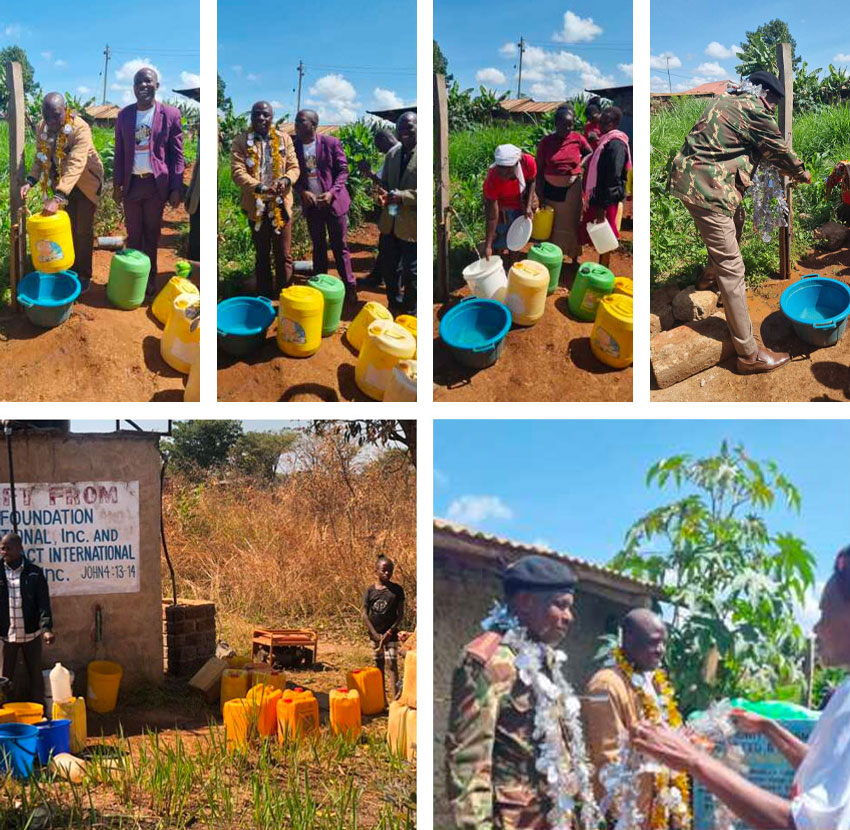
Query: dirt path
(550, 361)
(101, 353)
(812, 375)
(269, 375)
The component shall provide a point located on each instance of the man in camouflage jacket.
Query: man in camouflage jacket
(715, 166)
(493, 783)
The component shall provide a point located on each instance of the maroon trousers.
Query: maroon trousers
(319, 221)
(143, 217)
(268, 244)
(81, 211)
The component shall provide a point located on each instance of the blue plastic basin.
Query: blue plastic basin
(47, 298)
(242, 324)
(474, 330)
(817, 308)
(17, 748)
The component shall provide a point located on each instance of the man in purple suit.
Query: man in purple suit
(324, 197)
(148, 169)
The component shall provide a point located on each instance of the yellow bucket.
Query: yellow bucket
(402, 382)
(75, 711)
(360, 324)
(611, 338)
(528, 283)
(386, 344)
(408, 321)
(181, 339)
(51, 242)
(624, 286)
(541, 224)
(299, 324)
(31, 713)
(163, 305)
(104, 678)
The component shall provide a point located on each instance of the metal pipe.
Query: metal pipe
(7, 429)
(162, 531)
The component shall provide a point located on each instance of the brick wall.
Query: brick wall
(188, 635)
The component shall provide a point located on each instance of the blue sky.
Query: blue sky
(357, 56)
(65, 44)
(702, 50)
(572, 46)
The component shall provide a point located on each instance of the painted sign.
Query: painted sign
(85, 534)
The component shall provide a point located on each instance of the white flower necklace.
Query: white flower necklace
(561, 752)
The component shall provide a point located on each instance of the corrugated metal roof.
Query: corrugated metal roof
(712, 88)
(323, 129)
(524, 549)
(103, 111)
(529, 105)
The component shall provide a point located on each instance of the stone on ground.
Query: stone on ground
(692, 304)
(687, 350)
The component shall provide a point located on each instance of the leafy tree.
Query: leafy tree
(441, 63)
(378, 433)
(733, 583)
(762, 40)
(224, 102)
(199, 447)
(31, 86)
(257, 454)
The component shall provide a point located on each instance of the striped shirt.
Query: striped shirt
(17, 630)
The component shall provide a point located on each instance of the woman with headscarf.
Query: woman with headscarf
(560, 156)
(508, 194)
(820, 794)
(605, 179)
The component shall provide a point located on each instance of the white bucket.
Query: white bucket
(486, 278)
(48, 692)
(602, 237)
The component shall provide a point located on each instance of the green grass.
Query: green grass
(676, 251)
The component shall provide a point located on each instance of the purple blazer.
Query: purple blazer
(166, 148)
(332, 167)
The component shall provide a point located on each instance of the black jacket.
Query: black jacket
(611, 175)
(35, 600)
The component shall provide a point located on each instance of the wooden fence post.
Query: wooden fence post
(441, 180)
(17, 175)
(786, 119)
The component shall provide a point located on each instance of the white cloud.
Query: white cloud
(48, 56)
(594, 79)
(237, 70)
(808, 612)
(125, 74)
(491, 75)
(278, 105)
(841, 57)
(60, 64)
(508, 50)
(252, 77)
(441, 479)
(577, 29)
(627, 69)
(659, 83)
(660, 61)
(540, 542)
(335, 99)
(190, 79)
(712, 69)
(719, 51)
(84, 90)
(386, 99)
(13, 30)
(476, 509)
(551, 89)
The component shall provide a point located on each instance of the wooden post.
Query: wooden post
(786, 118)
(17, 174)
(441, 178)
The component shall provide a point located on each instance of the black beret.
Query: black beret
(769, 81)
(538, 573)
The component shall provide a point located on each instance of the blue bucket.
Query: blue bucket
(817, 308)
(47, 298)
(242, 323)
(17, 748)
(474, 330)
(54, 736)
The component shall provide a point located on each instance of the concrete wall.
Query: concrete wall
(462, 598)
(132, 622)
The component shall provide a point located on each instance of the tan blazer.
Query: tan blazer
(248, 181)
(81, 167)
(403, 225)
(610, 708)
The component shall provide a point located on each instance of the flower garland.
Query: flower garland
(561, 754)
(254, 163)
(44, 150)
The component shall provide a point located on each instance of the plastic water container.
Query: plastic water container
(257, 673)
(234, 684)
(402, 382)
(163, 305)
(299, 324)
(29, 713)
(51, 242)
(345, 713)
(192, 392)
(60, 683)
(386, 344)
(369, 682)
(611, 337)
(528, 282)
(181, 340)
(333, 291)
(264, 699)
(18, 743)
(276, 679)
(74, 711)
(47, 299)
(408, 686)
(242, 323)
(624, 286)
(68, 768)
(486, 278)
(542, 223)
(409, 322)
(128, 278)
(6, 716)
(297, 715)
(401, 730)
(104, 679)
(54, 737)
(367, 315)
(602, 236)
(593, 282)
(237, 715)
(550, 255)
(48, 689)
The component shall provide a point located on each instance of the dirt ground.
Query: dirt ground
(101, 353)
(814, 374)
(269, 375)
(549, 361)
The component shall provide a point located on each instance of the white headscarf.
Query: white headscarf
(509, 155)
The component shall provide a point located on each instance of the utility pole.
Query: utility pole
(669, 81)
(300, 76)
(105, 72)
(521, 45)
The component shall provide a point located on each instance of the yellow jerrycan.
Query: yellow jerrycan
(238, 725)
(264, 699)
(408, 687)
(234, 684)
(181, 339)
(528, 284)
(541, 224)
(611, 337)
(369, 683)
(345, 713)
(51, 242)
(75, 711)
(297, 715)
(408, 321)
(192, 392)
(397, 728)
(386, 344)
(402, 383)
(163, 305)
(367, 315)
(299, 321)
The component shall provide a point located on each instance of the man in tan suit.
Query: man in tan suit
(263, 163)
(72, 168)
